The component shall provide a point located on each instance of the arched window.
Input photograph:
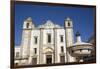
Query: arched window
(27, 25)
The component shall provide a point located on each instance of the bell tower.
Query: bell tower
(28, 24)
(26, 37)
(69, 38)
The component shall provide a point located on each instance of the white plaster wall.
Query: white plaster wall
(69, 41)
(59, 44)
(25, 42)
(69, 37)
(17, 49)
(35, 32)
(45, 40)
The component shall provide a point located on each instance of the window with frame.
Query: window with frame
(34, 61)
(35, 50)
(61, 38)
(62, 49)
(17, 54)
(35, 39)
(62, 59)
(49, 38)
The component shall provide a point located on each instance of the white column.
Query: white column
(41, 47)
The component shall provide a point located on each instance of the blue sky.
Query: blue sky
(83, 18)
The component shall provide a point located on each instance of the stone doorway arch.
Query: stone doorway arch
(48, 55)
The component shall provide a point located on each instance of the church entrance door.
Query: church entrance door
(48, 59)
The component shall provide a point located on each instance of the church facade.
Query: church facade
(45, 44)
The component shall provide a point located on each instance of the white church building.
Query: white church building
(50, 43)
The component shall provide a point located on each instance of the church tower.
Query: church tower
(69, 38)
(26, 37)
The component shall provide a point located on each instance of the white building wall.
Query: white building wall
(42, 42)
(35, 33)
(45, 32)
(55, 35)
(17, 49)
(45, 42)
(59, 44)
(25, 46)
